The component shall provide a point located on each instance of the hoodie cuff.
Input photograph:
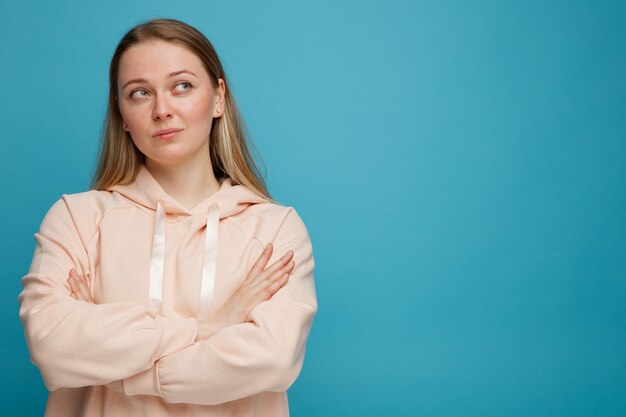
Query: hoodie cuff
(176, 334)
(144, 383)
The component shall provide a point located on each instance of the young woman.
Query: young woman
(176, 286)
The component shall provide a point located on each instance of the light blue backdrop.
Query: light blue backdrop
(461, 167)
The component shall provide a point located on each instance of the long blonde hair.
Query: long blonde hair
(119, 160)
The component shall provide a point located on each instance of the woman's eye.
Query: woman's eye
(138, 93)
(183, 86)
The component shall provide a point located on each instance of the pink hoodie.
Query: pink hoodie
(154, 268)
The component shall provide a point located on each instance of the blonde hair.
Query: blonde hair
(119, 160)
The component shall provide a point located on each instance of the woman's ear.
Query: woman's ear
(220, 101)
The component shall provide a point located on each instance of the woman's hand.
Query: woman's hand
(260, 285)
(80, 287)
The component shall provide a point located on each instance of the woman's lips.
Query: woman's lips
(166, 133)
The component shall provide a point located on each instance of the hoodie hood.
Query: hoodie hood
(147, 192)
(229, 200)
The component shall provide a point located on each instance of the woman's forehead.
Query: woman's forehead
(158, 59)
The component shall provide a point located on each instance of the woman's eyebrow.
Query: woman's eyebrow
(171, 74)
(175, 73)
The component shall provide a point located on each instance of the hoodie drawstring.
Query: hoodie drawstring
(210, 261)
(157, 259)
(208, 265)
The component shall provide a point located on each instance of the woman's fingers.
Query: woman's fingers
(73, 286)
(76, 285)
(258, 266)
(266, 286)
(257, 274)
(272, 269)
(260, 285)
(274, 286)
(277, 267)
(279, 263)
(80, 287)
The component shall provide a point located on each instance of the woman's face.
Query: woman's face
(168, 102)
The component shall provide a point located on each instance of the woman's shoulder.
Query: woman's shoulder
(269, 220)
(82, 210)
(92, 201)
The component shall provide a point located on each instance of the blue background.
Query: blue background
(460, 166)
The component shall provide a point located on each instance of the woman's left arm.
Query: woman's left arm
(265, 354)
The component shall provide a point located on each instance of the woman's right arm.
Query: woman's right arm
(76, 343)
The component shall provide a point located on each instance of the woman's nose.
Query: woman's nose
(162, 109)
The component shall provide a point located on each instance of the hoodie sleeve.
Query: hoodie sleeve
(75, 343)
(265, 354)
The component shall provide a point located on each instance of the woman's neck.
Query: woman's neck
(188, 183)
